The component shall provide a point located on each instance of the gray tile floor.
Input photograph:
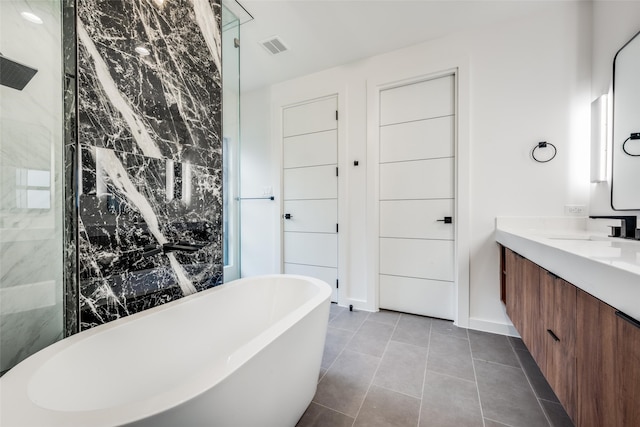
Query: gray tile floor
(396, 369)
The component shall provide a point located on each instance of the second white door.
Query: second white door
(310, 190)
(416, 198)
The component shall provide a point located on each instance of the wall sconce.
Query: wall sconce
(599, 138)
(169, 180)
(186, 183)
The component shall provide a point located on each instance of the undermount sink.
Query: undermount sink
(580, 238)
(607, 240)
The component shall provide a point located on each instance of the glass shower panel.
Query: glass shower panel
(231, 141)
(31, 178)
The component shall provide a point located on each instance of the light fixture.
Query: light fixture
(169, 180)
(599, 139)
(28, 16)
(142, 51)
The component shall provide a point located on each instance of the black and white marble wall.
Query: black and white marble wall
(150, 153)
(70, 138)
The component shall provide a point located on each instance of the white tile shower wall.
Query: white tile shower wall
(529, 81)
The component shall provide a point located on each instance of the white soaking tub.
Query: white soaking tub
(246, 353)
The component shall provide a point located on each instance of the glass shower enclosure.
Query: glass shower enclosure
(231, 140)
(31, 178)
(38, 206)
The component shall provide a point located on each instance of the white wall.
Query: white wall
(614, 24)
(526, 81)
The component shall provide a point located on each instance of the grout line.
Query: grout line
(394, 324)
(498, 363)
(424, 374)
(331, 409)
(452, 376)
(321, 377)
(373, 377)
(409, 344)
(398, 392)
(533, 390)
(475, 377)
(347, 330)
(499, 422)
(452, 335)
(343, 348)
(337, 357)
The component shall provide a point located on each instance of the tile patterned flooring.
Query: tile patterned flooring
(396, 369)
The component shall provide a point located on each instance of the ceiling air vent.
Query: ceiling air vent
(274, 45)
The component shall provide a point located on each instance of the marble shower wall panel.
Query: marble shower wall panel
(71, 286)
(150, 202)
(166, 104)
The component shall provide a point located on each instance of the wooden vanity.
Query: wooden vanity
(588, 351)
(554, 290)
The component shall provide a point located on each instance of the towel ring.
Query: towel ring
(624, 147)
(544, 144)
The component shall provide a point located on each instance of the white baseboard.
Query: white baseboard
(492, 327)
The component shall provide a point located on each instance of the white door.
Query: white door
(416, 199)
(310, 190)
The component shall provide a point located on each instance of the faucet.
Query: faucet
(627, 229)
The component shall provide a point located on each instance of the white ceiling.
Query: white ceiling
(325, 33)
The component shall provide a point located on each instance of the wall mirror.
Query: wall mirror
(625, 194)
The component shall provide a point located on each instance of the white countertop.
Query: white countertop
(579, 251)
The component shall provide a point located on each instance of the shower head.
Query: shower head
(14, 74)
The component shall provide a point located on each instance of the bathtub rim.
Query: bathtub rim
(204, 379)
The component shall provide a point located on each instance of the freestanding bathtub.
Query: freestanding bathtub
(246, 353)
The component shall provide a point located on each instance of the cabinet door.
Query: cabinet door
(523, 297)
(547, 312)
(512, 280)
(530, 329)
(595, 350)
(560, 335)
(628, 370)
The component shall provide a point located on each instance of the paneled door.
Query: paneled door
(416, 198)
(310, 190)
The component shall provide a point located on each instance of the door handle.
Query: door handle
(446, 220)
(553, 335)
(287, 216)
(628, 318)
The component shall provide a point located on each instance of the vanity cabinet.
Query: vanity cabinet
(595, 348)
(587, 350)
(627, 364)
(522, 296)
(558, 338)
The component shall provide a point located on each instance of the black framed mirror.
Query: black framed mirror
(625, 194)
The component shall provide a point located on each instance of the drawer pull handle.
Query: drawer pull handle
(554, 336)
(628, 318)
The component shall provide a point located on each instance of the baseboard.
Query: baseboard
(492, 327)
